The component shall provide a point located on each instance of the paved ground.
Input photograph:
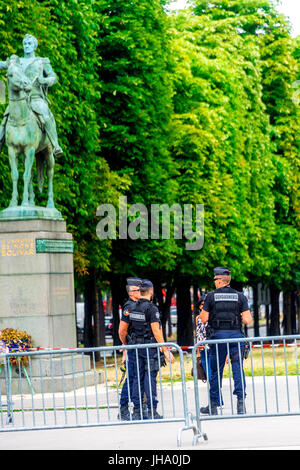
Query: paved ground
(264, 396)
(264, 433)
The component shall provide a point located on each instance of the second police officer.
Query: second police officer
(133, 291)
(142, 326)
(225, 309)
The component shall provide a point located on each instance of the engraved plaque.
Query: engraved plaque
(17, 247)
(54, 246)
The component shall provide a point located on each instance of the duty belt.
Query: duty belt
(225, 325)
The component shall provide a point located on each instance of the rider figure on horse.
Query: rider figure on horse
(39, 71)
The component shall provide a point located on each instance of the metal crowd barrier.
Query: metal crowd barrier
(81, 387)
(68, 388)
(271, 379)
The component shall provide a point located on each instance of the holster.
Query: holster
(153, 364)
(209, 331)
(163, 361)
(130, 339)
(246, 350)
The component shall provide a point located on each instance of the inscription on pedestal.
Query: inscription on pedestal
(61, 293)
(22, 296)
(17, 247)
(36, 281)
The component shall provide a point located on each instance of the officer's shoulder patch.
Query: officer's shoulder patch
(157, 315)
(126, 312)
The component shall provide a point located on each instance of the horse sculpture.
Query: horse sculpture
(24, 136)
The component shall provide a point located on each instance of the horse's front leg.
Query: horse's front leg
(12, 154)
(50, 173)
(29, 159)
(30, 189)
(31, 193)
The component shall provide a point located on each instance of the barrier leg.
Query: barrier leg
(198, 434)
(187, 427)
(7, 368)
(187, 414)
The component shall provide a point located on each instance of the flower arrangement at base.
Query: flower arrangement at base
(16, 341)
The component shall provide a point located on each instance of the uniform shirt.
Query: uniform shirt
(225, 294)
(129, 305)
(152, 312)
(139, 319)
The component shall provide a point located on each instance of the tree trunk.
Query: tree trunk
(169, 325)
(268, 320)
(237, 285)
(184, 313)
(94, 329)
(255, 311)
(275, 314)
(158, 300)
(77, 296)
(95, 305)
(195, 311)
(118, 299)
(297, 308)
(164, 306)
(293, 312)
(88, 314)
(287, 323)
(101, 314)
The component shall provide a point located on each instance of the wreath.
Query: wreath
(16, 341)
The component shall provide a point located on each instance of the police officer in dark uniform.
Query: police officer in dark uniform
(226, 310)
(142, 326)
(133, 290)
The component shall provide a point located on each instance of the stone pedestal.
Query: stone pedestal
(37, 296)
(52, 374)
(37, 281)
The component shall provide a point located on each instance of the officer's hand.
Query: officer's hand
(124, 355)
(169, 356)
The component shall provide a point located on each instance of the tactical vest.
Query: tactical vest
(139, 331)
(226, 313)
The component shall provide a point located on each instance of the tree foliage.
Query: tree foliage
(195, 107)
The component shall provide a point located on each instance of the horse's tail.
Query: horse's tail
(40, 170)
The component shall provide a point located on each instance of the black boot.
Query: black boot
(210, 410)
(124, 413)
(241, 408)
(156, 415)
(137, 415)
(145, 412)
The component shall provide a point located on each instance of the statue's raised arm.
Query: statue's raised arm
(48, 78)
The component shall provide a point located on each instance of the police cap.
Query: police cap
(134, 281)
(146, 283)
(221, 271)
